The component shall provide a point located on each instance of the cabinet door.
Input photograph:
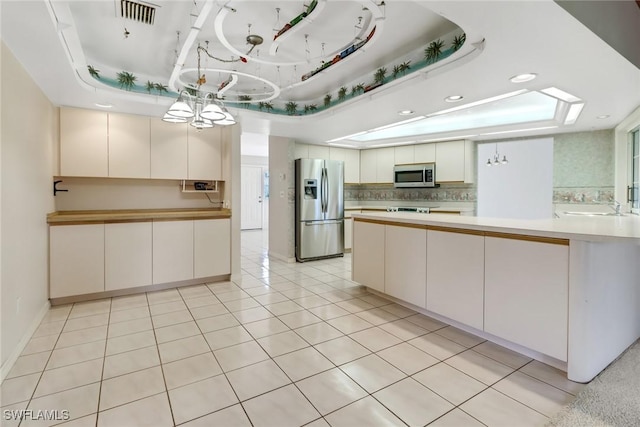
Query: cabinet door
(83, 143)
(368, 254)
(368, 166)
(404, 155)
(212, 247)
(205, 154)
(526, 294)
(385, 161)
(301, 151)
(450, 164)
(172, 251)
(424, 153)
(127, 255)
(351, 159)
(168, 150)
(318, 152)
(455, 276)
(405, 266)
(76, 264)
(129, 146)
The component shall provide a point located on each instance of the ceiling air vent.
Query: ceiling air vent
(139, 12)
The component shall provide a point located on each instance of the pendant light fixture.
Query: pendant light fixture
(495, 160)
(204, 109)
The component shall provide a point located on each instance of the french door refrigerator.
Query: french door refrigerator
(319, 209)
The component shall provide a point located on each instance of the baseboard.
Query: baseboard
(138, 290)
(6, 366)
(279, 257)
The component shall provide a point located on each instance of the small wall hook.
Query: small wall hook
(55, 187)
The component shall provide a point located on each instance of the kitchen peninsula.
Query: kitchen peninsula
(96, 254)
(565, 291)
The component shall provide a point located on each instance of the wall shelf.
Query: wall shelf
(188, 186)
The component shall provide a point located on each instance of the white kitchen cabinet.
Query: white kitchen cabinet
(368, 166)
(300, 151)
(129, 146)
(404, 154)
(83, 143)
(526, 293)
(450, 161)
(425, 153)
(351, 159)
(385, 161)
(348, 228)
(318, 152)
(204, 154)
(76, 260)
(405, 263)
(128, 255)
(169, 151)
(455, 161)
(212, 247)
(172, 251)
(455, 276)
(368, 254)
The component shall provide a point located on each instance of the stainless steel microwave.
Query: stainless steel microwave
(414, 175)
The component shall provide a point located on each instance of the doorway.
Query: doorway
(252, 198)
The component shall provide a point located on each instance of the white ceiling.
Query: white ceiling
(537, 36)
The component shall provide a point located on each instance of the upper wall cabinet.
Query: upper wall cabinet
(129, 146)
(376, 165)
(83, 143)
(424, 153)
(404, 154)
(97, 144)
(204, 154)
(455, 161)
(351, 159)
(168, 150)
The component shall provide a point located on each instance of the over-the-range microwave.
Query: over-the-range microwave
(414, 175)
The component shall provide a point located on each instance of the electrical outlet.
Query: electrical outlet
(282, 194)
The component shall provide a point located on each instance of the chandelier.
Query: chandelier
(204, 109)
(496, 159)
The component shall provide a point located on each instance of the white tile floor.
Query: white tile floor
(287, 345)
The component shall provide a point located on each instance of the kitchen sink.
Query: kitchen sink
(593, 214)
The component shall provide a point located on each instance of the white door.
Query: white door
(251, 189)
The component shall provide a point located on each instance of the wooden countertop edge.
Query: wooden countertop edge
(461, 230)
(124, 216)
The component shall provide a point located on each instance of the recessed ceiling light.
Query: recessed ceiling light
(98, 104)
(521, 78)
(454, 98)
(604, 116)
(406, 112)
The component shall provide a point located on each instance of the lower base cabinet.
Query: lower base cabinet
(128, 255)
(510, 286)
(368, 254)
(76, 264)
(212, 247)
(172, 251)
(92, 258)
(455, 279)
(526, 294)
(405, 267)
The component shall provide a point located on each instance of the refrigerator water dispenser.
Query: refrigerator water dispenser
(310, 189)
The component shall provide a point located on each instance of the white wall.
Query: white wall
(521, 189)
(28, 132)
(282, 199)
(114, 193)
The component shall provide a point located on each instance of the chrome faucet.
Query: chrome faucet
(616, 206)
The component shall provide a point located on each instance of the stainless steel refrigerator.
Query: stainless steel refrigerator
(319, 209)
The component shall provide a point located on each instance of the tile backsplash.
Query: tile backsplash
(452, 193)
(386, 192)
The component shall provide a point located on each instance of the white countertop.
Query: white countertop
(608, 228)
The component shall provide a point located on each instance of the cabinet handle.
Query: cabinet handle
(629, 194)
